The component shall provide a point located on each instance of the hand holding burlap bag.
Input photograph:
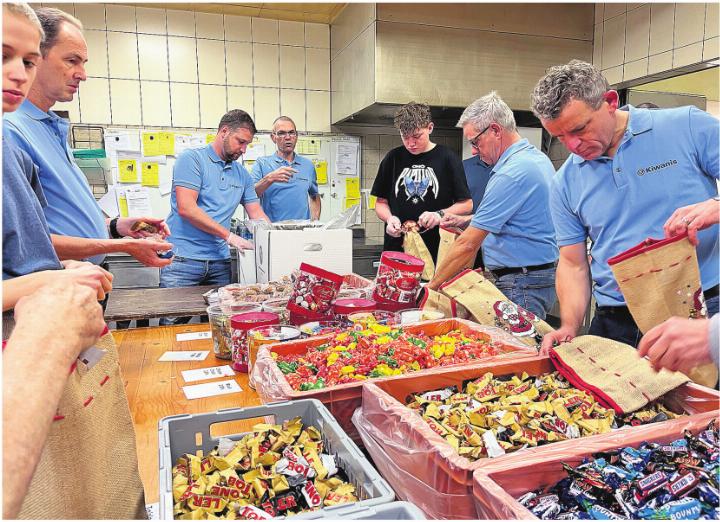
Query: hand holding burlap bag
(660, 279)
(414, 245)
(613, 372)
(89, 467)
(489, 306)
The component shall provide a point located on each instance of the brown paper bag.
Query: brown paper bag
(489, 306)
(447, 238)
(613, 372)
(89, 467)
(660, 279)
(435, 301)
(414, 245)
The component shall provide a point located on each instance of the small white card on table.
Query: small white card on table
(184, 356)
(210, 389)
(203, 374)
(193, 336)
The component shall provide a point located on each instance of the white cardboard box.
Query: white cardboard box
(279, 252)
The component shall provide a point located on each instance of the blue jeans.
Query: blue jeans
(534, 291)
(193, 272)
(617, 323)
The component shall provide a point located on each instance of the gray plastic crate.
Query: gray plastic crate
(391, 511)
(178, 435)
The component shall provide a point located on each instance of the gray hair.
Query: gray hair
(576, 80)
(486, 110)
(283, 118)
(237, 119)
(52, 20)
(25, 11)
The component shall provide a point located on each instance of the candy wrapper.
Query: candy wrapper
(276, 470)
(426, 468)
(314, 291)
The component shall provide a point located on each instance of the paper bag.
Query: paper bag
(89, 467)
(659, 279)
(490, 306)
(447, 238)
(414, 245)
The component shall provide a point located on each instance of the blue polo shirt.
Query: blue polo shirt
(667, 159)
(477, 174)
(516, 210)
(221, 187)
(71, 209)
(289, 200)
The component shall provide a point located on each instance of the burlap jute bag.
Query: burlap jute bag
(613, 372)
(660, 279)
(414, 245)
(89, 466)
(447, 238)
(435, 301)
(489, 306)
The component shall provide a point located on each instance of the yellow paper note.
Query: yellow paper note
(167, 144)
(321, 171)
(122, 203)
(127, 169)
(209, 138)
(308, 146)
(351, 202)
(151, 143)
(371, 202)
(150, 174)
(352, 188)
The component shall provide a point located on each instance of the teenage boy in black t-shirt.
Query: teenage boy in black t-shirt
(419, 181)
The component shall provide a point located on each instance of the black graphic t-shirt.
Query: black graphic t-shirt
(413, 184)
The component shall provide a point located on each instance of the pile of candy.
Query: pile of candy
(655, 481)
(379, 351)
(494, 416)
(273, 471)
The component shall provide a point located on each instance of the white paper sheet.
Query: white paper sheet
(138, 202)
(184, 142)
(199, 355)
(346, 156)
(118, 140)
(203, 374)
(254, 151)
(210, 389)
(192, 336)
(108, 203)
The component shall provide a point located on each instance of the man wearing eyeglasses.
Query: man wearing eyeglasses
(285, 182)
(513, 222)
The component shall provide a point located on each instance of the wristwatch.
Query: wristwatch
(441, 213)
(113, 229)
(716, 198)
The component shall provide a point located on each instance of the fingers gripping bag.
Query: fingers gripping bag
(489, 306)
(660, 279)
(313, 293)
(89, 465)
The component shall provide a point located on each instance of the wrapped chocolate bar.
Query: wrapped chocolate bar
(274, 471)
(676, 481)
(494, 416)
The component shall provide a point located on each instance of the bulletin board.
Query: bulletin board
(142, 162)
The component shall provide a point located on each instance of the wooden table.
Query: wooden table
(154, 390)
(147, 303)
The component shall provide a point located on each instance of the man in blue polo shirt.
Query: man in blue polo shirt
(286, 182)
(208, 185)
(631, 172)
(512, 223)
(79, 229)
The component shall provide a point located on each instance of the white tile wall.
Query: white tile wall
(689, 24)
(687, 55)
(166, 67)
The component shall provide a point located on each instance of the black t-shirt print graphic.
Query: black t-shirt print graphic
(413, 184)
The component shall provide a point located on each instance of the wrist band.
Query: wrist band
(113, 229)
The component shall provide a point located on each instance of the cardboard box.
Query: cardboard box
(279, 252)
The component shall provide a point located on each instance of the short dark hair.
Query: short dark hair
(411, 117)
(237, 119)
(647, 105)
(51, 20)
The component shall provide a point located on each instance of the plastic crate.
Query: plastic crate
(343, 399)
(181, 434)
(425, 470)
(496, 487)
(391, 511)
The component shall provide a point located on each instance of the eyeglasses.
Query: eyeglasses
(282, 134)
(473, 142)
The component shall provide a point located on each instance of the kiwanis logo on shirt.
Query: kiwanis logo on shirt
(417, 181)
(655, 168)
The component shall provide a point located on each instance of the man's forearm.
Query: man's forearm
(382, 209)
(262, 185)
(460, 256)
(572, 283)
(29, 404)
(68, 247)
(460, 207)
(315, 207)
(14, 289)
(199, 219)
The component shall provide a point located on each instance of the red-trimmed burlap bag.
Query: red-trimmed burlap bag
(89, 466)
(659, 279)
(414, 245)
